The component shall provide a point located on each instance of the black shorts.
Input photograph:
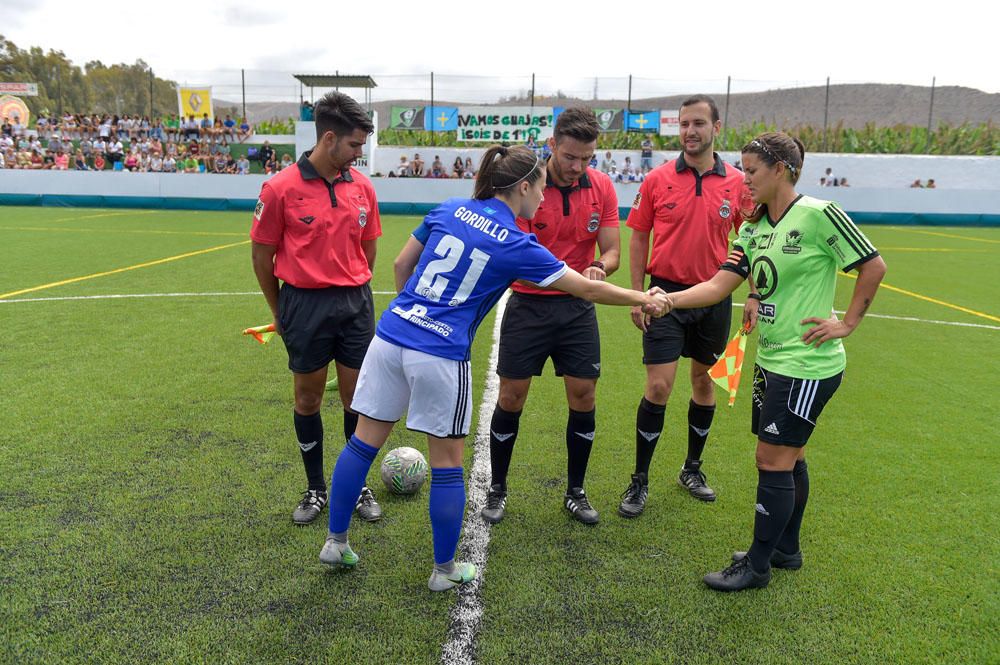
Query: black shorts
(700, 334)
(321, 325)
(537, 327)
(788, 407)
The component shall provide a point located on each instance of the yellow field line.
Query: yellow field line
(948, 235)
(107, 214)
(933, 249)
(989, 317)
(118, 270)
(141, 232)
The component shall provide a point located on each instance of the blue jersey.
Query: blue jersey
(473, 250)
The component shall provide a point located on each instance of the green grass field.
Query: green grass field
(148, 470)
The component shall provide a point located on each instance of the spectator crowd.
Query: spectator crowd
(93, 142)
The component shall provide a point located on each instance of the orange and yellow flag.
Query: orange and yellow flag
(262, 334)
(726, 372)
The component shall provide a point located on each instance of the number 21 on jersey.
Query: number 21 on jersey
(438, 274)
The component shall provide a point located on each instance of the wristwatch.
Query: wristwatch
(598, 264)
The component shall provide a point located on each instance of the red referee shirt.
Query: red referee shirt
(690, 216)
(317, 226)
(568, 220)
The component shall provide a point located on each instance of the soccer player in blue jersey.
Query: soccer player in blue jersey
(452, 271)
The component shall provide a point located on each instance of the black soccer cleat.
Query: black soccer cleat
(577, 504)
(496, 503)
(778, 559)
(367, 507)
(693, 480)
(309, 508)
(737, 577)
(634, 496)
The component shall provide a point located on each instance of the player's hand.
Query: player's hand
(750, 310)
(659, 303)
(277, 327)
(595, 273)
(640, 318)
(824, 330)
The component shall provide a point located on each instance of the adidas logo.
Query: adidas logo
(501, 437)
(699, 431)
(760, 509)
(589, 436)
(306, 447)
(649, 436)
(772, 429)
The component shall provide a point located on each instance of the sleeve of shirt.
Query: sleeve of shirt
(843, 240)
(268, 218)
(537, 264)
(738, 262)
(373, 229)
(640, 217)
(609, 212)
(422, 232)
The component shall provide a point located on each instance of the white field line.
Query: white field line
(912, 319)
(156, 295)
(467, 614)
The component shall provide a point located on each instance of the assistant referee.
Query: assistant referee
(314, 234)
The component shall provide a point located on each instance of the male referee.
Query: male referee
(690, 205)
(579, 212)
(314, 233)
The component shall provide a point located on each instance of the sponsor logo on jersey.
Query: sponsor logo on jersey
(767, 311)
(308, 219)
(541, 226)
(769, 344)
(362, 217)
(259, 210)
(834, 243)
(726, 209)
(637, 201)
(417, 315)
(765, 276)
(793, 240)
(594, 223)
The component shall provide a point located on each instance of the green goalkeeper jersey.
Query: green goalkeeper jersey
(793, 262)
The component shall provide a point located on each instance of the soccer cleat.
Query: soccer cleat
(693, 480)
(462, 574)
(367, 507)
(311, 505)
(338, 554)
(496, 503)
(576, 503)
(634, 496)
(778, 559)
(737, 577)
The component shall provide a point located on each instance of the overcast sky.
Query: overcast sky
(670, 48)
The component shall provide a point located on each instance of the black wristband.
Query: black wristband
(755, 296)
(598, 264)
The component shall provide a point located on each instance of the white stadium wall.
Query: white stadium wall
(967, 194)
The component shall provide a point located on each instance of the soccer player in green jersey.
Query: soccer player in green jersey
(791, 246)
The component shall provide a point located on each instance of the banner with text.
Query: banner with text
(19, 89)
(504, 123)
(670, 123)
(194, 101)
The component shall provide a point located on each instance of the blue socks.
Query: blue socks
(447, 507)
(348, 478)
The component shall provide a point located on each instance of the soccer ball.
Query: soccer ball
(404, 470)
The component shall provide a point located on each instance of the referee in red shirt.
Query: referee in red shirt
(314, 233)
(690, 205)
(579, 212)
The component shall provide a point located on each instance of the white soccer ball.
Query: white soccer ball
(404, 470)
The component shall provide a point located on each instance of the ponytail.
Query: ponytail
(501, 168)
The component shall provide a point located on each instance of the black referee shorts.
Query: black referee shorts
(322, 325)
(700, 334)
(537, 327)
(785, 409)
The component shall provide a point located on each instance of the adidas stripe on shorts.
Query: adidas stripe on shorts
(785, 409)
(434, 392)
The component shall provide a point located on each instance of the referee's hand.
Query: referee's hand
(640, 318)
(277, 327)
(595, 273)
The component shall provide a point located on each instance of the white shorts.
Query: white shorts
(434, 392)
